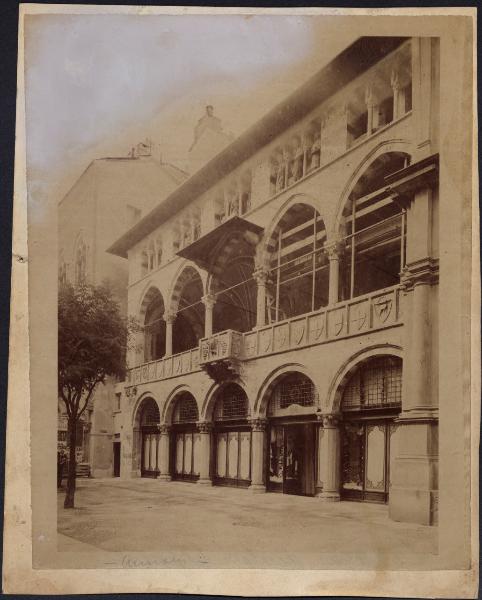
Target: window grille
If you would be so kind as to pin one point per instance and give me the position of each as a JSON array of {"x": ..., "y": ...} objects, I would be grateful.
[
  {"x": 232, "y": 405},
  {"x": 294, "y": 389},
  {"x": 376, "y": 383},
  {"x": 186, "y": 410},
  {"x": 150, "y": 414}
]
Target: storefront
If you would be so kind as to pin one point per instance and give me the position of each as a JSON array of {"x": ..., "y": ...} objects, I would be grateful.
[
  {"x": 185, "y": 439},
  {"x": 232, "y": 438},
  {"x": 292, "y": 436},
  {"x": 149, "y": 420},
  {"x": 371, "y": 402}
]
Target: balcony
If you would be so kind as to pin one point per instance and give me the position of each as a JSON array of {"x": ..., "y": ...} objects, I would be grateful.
[{"x": 221, "y": 354}]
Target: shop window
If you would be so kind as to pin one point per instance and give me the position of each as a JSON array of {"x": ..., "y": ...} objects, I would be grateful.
[
  {"x": 186, "y": 410},
  {"x": 294, "y": 389},
  {"x": 376, "y": 383},
  {"x": 299, "y": 266}
]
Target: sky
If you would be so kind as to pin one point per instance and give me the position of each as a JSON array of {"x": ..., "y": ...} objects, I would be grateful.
[{"x": 96, "y": 85}]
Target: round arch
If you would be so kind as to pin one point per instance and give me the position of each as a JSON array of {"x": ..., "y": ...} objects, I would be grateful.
[
  {"x": 170, "y": 403},
  {"x": 140, "y": 405},
  {"x": 151, "y": 292},
  {"x": 335, "y": 391},
  {"x": 207, "y": 409},
  {"x": 278, "y": 220},
  {"x": 270, "y": 382},
  {"x": 185, "y": 273},
  {"x": 390, "y": 146}
]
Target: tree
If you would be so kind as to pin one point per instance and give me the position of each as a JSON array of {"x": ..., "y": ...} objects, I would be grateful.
[{"x": 92, "y": 343}]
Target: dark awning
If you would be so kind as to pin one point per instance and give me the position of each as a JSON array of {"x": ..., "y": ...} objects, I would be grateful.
[{"x": 200, "y": 251}]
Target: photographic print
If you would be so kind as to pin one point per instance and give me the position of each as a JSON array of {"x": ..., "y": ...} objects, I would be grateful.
[{"x": 247, "y": 362}]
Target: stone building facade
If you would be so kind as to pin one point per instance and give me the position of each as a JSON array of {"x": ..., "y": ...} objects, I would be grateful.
[
  {"x": 108, "y": 198},
  {"x": 290, "y": 326}
]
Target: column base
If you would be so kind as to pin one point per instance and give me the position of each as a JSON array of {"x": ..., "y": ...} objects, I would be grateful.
[
  {"x": 257, "y": 488},
  {"x": 204, "y": 482},
  {"x": 164, "y": 477},
  {"x": 328, "y": 496}
]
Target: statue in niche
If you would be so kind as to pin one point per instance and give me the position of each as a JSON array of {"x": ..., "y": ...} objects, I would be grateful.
[
  {"x": 315, "y": 152},
  {"x": 298, "y": 161},
  {"x": 233, "y": 203},
  {"x": 280, "y": 173}
]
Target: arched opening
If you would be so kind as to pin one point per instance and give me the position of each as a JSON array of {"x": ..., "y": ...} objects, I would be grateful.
[
  {"x": 185, "y": 439},
  {"x": 374, "y": 231},
  {"x": 154, "y": 326},
  {"x": 149, "y": 421},
  {"x": 188, "y": 326},
  {"x": 298, "y": 265},
  {"x": 234, "y": 287},
  {"x": 291, "y": 412},
  {"x": 232, "y": 437},
  {"x": 371, "y": 401}
]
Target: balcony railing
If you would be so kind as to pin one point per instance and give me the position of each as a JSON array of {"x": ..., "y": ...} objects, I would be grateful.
[{"x": 222, "y": 352}]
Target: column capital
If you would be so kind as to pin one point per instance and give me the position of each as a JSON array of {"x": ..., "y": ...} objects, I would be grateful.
[
  {"x": 333, "y": 249},
  {"x": 204, "y": 426},
  {"x": 164, "y": 429},
  {"x": 258, "y": 424},
  {"x": 170, "y": 317},
  {"x": 209, "y": 300},
  {"x": 421, "y": 272},
  {"x": 329, "y": 420},
  {"x": 261, "y": 275}
]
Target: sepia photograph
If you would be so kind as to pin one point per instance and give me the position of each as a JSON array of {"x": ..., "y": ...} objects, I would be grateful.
[{"x": 245, "y": 348}]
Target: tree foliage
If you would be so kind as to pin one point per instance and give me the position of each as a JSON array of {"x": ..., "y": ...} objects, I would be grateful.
[{"x": 92, "y": 344}]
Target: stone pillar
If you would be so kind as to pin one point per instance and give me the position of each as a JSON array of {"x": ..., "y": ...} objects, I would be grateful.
[
  {"x": 209, "y": 301},
  {"x": 136, "y": 452},
  {"x": 163, "y": 461},
  {"x": 333, "y": 251},
  {"x": 328, "y": 480},
  {"x": 395, "y": 83},
  {"x": 204, "y": 453},
  {"x": 261, "y": 276},
  {"x": 258, "y": 428},
  {"x": 169, "y": 318},
  {"x": 370, "y": 102},
  {"x": 414, "y": 477}
]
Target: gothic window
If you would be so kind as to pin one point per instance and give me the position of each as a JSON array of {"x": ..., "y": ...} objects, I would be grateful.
[
  {"x": 299, "y": 266},
  {"x": 80, "y": 263}
]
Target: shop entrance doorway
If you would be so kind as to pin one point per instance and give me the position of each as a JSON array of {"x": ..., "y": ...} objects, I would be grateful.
[
  {"x": 117, "y": 455},
  {"x": 291, "y": 468}
]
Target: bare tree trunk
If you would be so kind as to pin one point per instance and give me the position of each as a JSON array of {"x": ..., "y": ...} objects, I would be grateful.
[{"x": 72, "y": 432}]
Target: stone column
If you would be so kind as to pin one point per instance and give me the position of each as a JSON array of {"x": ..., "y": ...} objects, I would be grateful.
[
  {"x": 163, "y": 460},
  {"x": 204, "y": 453},
  {"x": 261, "y": 276},
  {"x": 370, "y": 102},
  {"x": 395, "y": 83},
  {"x": 169, "y": 318},
  {"x": 414, "y": 477},
  {"x": 209, "y": 301},
  {"x": 328, "y": 484},
  {"x": 258, "y": 428},
  {"x": 333, "y": 251}
]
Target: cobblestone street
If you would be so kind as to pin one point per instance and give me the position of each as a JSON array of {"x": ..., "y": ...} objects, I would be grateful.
[{"x": 227, "y": 526}]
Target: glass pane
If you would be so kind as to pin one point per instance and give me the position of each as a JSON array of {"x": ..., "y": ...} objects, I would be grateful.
[
  {"x": 276, "y": 455},
  {"x": 179, "y": 452},
  {"x": 196, "y": 441},
  {"x": 187, "y": 453},
  {"x": 353, "y": 456},
  {"x": 375, "y": 468},
  {"x": 221, "y": 455},
  {"x": 233, "y": 454},
  {"x": 294, "y": 454},
  {"x": 245, "y": 454}
]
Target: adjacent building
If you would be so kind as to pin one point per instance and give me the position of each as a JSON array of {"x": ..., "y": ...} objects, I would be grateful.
[
  {"x": 108, "y": 198},
  {"x": 288, "y": 293}
]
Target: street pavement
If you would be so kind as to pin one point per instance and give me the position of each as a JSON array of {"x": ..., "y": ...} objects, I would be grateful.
[{"x": 227, "y": 527}]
